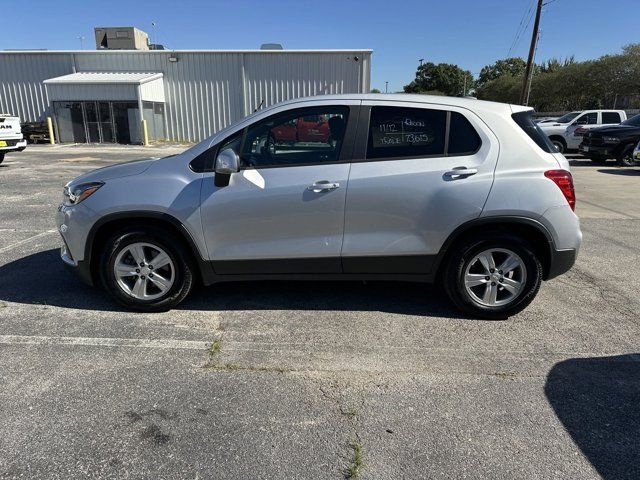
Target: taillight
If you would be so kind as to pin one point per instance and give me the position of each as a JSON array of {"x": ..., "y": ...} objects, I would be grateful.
[{"x": 564, "y": 181}]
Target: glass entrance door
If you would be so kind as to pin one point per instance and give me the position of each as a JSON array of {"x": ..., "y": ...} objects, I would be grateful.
[{"x": 93, "y": 127}]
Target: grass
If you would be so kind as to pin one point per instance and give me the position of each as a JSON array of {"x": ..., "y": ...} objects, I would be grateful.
[
  {"x": 213, "y": 351},
  {"x": 356, "y": 462}
]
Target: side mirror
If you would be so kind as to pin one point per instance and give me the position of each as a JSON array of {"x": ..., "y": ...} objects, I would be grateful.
[{"x": 227, "y": 162}]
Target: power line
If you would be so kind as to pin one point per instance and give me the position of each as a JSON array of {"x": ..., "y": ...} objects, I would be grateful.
[{"x": 519, "y": 32}]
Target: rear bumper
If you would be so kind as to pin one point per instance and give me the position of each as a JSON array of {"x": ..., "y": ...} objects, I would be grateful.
[{"x": 561, "y": 262}]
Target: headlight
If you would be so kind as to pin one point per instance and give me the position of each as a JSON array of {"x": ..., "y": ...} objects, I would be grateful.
[
  {"x": 77, "y": 193},
  {"x": 611, "y": 139}
]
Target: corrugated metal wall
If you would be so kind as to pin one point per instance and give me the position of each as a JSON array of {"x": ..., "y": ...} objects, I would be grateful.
[
  {"x": 66, "y": 92},
  {"x": 204, "y": 91}
]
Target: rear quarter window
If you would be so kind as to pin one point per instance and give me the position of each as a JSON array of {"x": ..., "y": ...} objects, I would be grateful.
[
  {"x": 463, "y": 138},
  {"x": 525, "y": 122}
]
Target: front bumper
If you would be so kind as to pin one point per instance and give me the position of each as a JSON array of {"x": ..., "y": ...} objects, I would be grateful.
[
  {"x": 73, "y": 224},
  {"x": 599, "y": 151}
]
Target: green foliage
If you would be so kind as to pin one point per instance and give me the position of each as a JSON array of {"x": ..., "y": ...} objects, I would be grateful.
[
  {"x": 444, "y": 78},
  {"x": 375, "y": 90},
  {"x": 560, "y": 85},
  {"x": 514, "y": 66}
]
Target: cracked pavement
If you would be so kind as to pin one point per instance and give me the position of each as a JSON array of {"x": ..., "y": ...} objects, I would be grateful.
[{"x": 88, "y": 390}]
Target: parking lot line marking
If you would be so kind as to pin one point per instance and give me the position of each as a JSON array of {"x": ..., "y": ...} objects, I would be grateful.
[
  {"x": 163, "y": 343},
  {"x": 21, "y": 242}
]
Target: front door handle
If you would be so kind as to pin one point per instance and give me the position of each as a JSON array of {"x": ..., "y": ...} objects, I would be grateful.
[
  {"x": 323, "y": 186},
  {"x": 460, "y": 172}
]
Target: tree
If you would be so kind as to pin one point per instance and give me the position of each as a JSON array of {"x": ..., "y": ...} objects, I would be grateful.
[
  {"x": 443, "y": 78},
  {"x": 561, "y": 85},
  {"x": 375, "y": 90},
  {"x": 514, "y": 66}
]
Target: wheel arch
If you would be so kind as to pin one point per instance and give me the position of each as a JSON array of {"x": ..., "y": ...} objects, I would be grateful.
[
  {"x": 532, "y": 231},
  {"x": 102, "y": 230}
]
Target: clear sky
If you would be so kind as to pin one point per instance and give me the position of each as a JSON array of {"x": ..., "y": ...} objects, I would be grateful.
[{"x": 470, "y": 33}]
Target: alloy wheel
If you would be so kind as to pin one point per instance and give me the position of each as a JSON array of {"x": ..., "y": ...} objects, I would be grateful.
[
  {"x": 144, "y": 271},
  {"x": 495, "y": 277}
]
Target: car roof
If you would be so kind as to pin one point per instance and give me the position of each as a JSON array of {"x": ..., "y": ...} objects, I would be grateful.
[{"x": 464, "y": 102}]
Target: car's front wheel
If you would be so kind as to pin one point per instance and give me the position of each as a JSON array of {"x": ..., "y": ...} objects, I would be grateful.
[
  {"x": 146, "y": 269},
  {"x": 493, "y": 277},
  {"x": 625, "y": 159}
]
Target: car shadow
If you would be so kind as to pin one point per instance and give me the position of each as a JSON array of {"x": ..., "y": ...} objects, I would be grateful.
[
  {"x": 598, "y": 402},
  {"x": 620, "y": 171},
  {"x": 41, "y": 278},
  {"x": 585, "y": 162}
]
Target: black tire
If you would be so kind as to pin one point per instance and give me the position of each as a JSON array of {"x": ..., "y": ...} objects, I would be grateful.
[
  {"x": 179, "y": 255},
  {"x": 559, "y": 143},
  {"x": 625, "y": 159},
  {"x": 1, "y": 157},
  {"x": 466, "y": 251}
]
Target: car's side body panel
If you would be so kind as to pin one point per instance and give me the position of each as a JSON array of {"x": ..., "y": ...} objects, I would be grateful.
[{"x": 408, "y": 207}]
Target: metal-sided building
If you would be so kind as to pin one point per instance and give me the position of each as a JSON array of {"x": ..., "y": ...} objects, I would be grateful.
[{"x": 184, "y": 95}]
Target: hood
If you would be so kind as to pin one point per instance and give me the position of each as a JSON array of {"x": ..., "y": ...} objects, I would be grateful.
[
  {"x": 126, "y": 169},
  {"x": 614, "y": 129}
]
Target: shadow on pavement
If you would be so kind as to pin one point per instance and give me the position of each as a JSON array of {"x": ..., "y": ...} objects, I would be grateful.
[
  {"x": 598, "y": 402},
  {"x": 41, "y": 278},
  {"x": 620, "y": 171}
]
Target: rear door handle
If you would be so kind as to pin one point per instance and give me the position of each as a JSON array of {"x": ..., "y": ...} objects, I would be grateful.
[
  {"x": 323, "y": 186},
  {"x": 460, "y": 172}
]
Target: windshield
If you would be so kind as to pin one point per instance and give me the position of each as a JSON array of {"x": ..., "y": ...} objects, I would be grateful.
[
  {"x": 633, "y": 121},
  {"x": 567, "y": 117}
]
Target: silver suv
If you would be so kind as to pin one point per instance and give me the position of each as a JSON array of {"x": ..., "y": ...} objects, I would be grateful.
[{"x": 467, "y": 194}]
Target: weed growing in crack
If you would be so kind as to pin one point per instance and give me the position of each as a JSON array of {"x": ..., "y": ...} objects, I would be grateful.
[{"x": 356, "y": 462}]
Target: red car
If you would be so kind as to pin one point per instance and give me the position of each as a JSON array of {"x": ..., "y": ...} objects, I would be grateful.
[{"x": 314, "y": 128}]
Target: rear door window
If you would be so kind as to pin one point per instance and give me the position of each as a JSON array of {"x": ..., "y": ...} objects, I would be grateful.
[
  {"x": 399, "y": 132},
  {"x": 611, "y": 117}
]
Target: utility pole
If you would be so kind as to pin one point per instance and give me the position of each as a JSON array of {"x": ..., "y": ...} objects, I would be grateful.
[
  {"x": 421, "y": 60},
  {"x": 386, "y": 87},
  {"x": 81, "y": 38},
  {"x": 532, "y": 49}
]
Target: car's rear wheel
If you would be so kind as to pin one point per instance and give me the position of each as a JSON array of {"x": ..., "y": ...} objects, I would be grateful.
[
  {"x": 147, "y": 270},
  {"x": 1, "y": 157},
  {"x": 625, "y": 159},
  {"x": 493, "y": 277}
]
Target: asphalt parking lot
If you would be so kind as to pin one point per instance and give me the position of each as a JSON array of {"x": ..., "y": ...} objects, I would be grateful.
[{"x": 313, "y": 380}]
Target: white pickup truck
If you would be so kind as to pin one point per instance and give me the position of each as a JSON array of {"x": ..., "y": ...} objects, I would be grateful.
[
  {"x": 11, "y": 138},
  {"x": 567, "y": 131}
]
